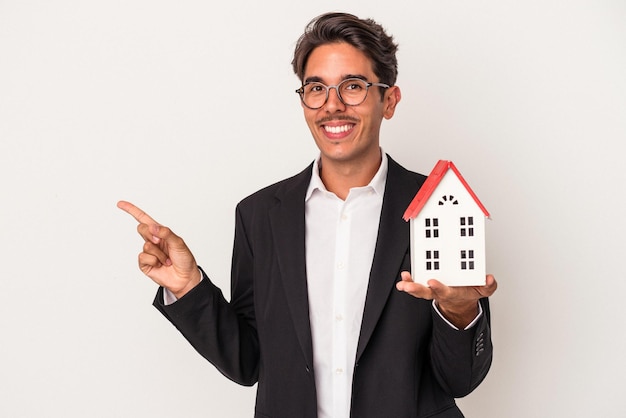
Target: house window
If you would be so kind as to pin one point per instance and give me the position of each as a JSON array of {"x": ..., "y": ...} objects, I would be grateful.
[
  {"x": 467, "y": 226},
  {"x": 448, "y": 199},
  {"x": 467, "y": 259},
  {"x": 432, "y": 227},
  {"x": 432, "y": 260}
]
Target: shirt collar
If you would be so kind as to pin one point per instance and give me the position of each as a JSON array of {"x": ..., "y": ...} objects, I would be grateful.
[{"x": 377, "y": 183}]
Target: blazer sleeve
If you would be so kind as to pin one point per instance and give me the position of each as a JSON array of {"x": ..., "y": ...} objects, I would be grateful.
[
  {"x": 222, "y": 332},
  {"x": 461, "y": 358}
]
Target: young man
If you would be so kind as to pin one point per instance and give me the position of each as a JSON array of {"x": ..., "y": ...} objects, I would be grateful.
[{"x": 324, "y": 314}]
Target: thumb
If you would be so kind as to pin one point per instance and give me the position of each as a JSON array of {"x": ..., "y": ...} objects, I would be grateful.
[
  {"x": 160, "y": 232},
  {"x": 174, "y": 246},
  {"x": 436, "y": 285}
]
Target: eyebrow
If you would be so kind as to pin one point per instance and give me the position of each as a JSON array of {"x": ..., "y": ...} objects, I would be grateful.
[{"x": 316, "y": 79}]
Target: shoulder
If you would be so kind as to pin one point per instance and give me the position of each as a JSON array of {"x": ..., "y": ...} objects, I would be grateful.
[
  {"x": 292, "y": 187},
  {"x": 397, "y": 172}
]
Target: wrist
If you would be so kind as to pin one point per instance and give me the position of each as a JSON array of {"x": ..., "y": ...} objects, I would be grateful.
[
  {"x": 459, "y": 315},
  {"x": 193, "y": 282}
]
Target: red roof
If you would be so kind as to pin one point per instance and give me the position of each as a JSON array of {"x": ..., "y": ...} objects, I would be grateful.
[{"x": 431, "y": 183}]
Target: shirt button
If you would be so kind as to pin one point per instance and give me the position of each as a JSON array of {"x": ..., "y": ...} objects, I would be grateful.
[
  {"x": 340, "y": 265},
  {"x": 344, "y": 217},
  {"x": 339, "y": 370},
  {"x": 339, "y": 318}
]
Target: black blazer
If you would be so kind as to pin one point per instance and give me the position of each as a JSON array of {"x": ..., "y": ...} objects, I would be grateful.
[{"x": 409, "y": 362}]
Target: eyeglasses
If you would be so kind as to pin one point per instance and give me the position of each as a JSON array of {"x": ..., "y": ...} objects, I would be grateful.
[{"x": 351, "y": 92}]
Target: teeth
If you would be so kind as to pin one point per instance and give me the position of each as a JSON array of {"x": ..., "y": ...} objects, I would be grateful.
[{"x": 337, "y": 129}]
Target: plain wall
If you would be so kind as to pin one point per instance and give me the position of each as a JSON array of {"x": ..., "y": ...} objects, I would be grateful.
[{"x": 186, "y": 107}]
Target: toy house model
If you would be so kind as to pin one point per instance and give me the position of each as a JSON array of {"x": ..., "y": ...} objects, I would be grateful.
[{"x": 447, "y": 230}]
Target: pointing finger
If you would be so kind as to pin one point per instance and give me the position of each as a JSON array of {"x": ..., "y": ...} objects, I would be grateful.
[{"x": 139, "y": 215}]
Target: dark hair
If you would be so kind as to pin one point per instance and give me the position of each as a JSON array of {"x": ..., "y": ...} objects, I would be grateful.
[{"x": 365, "y": 35}]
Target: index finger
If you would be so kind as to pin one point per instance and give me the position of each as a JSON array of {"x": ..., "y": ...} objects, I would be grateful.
[{"x": 139, "y": 215}]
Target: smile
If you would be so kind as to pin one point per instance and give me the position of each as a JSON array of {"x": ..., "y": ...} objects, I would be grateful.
[{"x": 338, "y": 129}]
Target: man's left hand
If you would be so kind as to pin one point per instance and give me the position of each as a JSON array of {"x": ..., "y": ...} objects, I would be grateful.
[{"x": 458, "y": 304}]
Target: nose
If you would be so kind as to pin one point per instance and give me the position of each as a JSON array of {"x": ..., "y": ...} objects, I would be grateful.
[{"x": 334, "y": 102}]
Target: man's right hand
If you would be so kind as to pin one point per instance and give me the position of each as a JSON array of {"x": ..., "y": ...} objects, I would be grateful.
[{"x": 165, "y": 258}]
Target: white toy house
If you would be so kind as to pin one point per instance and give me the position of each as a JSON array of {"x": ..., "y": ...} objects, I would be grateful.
[{"x": 447, "y": 230}]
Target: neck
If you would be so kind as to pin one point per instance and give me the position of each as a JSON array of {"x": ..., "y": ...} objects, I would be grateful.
[{"x": 339, "y": 177}]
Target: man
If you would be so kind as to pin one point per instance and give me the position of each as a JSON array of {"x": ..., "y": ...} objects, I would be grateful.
[{"x": 324, "y": 314}]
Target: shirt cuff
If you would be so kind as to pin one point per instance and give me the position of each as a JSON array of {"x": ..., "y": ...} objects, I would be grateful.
[
  {"x": 168, "y": 296},
  {"x": 471, "y": 324}
]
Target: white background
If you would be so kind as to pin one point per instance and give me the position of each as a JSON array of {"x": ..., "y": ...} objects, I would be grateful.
[{"x": 185, "y": 107}]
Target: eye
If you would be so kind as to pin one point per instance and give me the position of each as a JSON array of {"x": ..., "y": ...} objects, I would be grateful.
[
  {"x": 354, "y": 85},
  {"x": 315, "y": 88}
]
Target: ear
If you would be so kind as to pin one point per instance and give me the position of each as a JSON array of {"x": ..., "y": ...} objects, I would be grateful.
[{"x": 391, "y": 100}]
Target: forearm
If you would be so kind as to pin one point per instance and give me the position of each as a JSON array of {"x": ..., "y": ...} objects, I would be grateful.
[
  {"x": 461, "y": 358},
  {"x": 212, "y": 326}
]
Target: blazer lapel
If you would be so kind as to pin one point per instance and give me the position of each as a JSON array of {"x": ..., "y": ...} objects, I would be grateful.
[
  {"x": 288, "y": 228},
  {"x": 391, "y": 246}
]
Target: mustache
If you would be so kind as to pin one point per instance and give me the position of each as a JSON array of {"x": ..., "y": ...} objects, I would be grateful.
[{"x": 327, "y": 119}]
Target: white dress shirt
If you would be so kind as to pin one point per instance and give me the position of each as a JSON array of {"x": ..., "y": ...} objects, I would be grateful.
[{"x": 340, "y": 241}]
